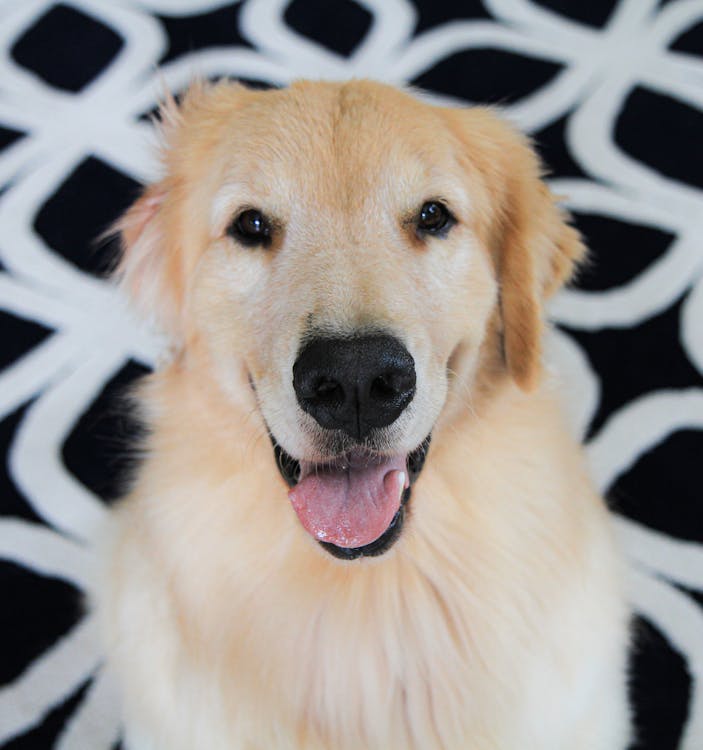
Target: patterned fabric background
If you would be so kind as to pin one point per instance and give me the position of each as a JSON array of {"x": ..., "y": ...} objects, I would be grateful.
[{"x": 613, "y": 95}]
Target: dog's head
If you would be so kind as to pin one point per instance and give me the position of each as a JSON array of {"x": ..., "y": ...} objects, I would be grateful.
[{"x": 351, "y": 262}]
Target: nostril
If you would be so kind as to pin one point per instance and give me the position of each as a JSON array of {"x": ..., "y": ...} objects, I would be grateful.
[
  {"x": 391, "y": 385},
  {"x": 383, "y": 387},
  {"x": 328, "y": 391}
]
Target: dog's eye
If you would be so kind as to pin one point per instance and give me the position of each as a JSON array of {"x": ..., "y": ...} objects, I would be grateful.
[
  {"x": 434, "y": 218},
  {"x": 251, "y": 228}
]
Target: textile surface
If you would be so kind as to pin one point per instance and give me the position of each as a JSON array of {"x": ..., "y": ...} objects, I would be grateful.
[{"x": 611, "y": 92}]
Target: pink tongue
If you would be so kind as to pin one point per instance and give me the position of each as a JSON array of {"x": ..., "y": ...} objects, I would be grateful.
[{"x": 349, "y": 507}]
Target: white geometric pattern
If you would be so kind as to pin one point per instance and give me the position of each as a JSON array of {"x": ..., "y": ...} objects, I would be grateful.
[{"x": 94, "y": 334}]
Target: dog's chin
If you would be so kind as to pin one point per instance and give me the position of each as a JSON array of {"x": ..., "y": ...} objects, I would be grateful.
[{"x": 395, "y": 477}]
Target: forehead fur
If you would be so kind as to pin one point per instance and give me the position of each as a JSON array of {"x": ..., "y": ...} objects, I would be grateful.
[{"x": 347, "y": 136}]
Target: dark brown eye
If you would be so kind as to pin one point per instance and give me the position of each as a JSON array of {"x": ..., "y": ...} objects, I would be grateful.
[
  {"x": 434, "y": 218},
  {"x": 251, "y": 228}
]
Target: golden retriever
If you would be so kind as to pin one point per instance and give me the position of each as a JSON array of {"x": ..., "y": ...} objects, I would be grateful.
[{"x": 361, "y": 522}]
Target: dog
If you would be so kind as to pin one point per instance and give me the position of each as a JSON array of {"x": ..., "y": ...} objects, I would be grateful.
[{"x": 361, "y": 521}]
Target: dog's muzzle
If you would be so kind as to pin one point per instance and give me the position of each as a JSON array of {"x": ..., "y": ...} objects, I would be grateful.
[{"x": 355, "y": 502}]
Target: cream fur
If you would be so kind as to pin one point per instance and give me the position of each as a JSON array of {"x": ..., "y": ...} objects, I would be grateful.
[{"x": 497, "y": 621}]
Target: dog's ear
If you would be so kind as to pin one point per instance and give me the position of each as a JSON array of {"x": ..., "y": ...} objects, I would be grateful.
[
  {"x": 148, "y": 269},
  {"x": 534, "y": 249}
]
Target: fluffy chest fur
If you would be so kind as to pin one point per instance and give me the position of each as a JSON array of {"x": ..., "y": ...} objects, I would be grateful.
[{"x": 488, "y": 618}]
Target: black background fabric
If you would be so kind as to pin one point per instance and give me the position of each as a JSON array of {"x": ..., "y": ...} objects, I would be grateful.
[{"x": 68, "y": 49}]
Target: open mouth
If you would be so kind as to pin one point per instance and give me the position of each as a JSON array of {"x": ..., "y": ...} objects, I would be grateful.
[{"x": 353, "y": 505}]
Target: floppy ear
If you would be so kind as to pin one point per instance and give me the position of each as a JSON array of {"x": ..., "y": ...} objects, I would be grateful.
[
  {"x": 536, "y": 253},
  {"x": 534, "y": 249},
  {"x": 148, "y": 268}
]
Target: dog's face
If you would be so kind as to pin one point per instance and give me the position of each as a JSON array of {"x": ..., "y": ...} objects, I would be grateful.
[{"x": 333, "y": 254}]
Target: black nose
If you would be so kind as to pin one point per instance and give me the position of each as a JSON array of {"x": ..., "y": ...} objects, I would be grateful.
[{"x": 354, "y": 384}]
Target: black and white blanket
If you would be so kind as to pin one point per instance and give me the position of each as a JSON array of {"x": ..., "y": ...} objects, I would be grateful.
[{"x": 612, "y": 93}]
